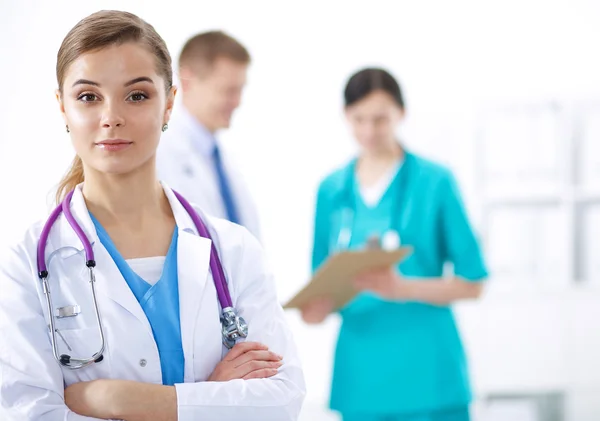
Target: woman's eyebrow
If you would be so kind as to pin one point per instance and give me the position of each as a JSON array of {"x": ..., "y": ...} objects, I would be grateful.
[{"x": 131, "y": 82}]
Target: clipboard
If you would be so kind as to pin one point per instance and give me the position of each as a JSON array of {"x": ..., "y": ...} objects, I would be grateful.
[{"x": 334, "y": 278}]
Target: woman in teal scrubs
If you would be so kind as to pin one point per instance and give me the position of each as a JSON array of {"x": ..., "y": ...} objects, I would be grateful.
[{"x": 399, "y": 355}]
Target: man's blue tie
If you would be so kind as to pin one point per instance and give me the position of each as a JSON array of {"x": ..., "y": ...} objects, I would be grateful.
[{"x": 226, "y": 194}]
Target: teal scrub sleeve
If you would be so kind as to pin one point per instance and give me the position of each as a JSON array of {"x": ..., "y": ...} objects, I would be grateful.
[
  {"x": 321, "y": 230},
  {"x": 460, "y": 244}
]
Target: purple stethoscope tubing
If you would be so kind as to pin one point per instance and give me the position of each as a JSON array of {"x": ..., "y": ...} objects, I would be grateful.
[{"x": 233, "y": 326}]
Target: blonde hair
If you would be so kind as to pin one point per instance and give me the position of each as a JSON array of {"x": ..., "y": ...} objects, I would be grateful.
[
  {"x": 100, "y": 30},
  {"x": 71, "y": 179}
]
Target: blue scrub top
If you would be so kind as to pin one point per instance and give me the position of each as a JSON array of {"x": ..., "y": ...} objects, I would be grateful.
[
  {"x": 400, "y": 357},
  {"x": 160, "y": 303}
]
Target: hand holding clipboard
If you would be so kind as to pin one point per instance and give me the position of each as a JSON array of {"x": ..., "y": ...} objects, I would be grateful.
[{"x": 334, "y": 279}]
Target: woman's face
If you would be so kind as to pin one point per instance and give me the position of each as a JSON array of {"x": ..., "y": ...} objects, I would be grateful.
[
  {"x": 373, "y": 121},
  {"x": 115, "y": 104}
]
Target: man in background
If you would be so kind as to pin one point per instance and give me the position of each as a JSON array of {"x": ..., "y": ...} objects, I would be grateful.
[{"x": 212, "y": 73}]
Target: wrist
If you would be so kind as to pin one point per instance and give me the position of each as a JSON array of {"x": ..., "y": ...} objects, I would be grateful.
[
  {"x": 403, "y": 290},
  {"x": 131, "y": 399}
]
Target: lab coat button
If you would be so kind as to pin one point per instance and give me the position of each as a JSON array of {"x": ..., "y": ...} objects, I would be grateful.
[{"x": 143, "y": 363}]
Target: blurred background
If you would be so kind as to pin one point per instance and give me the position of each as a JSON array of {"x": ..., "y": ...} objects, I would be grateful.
[{"x": 505, "y": 93}]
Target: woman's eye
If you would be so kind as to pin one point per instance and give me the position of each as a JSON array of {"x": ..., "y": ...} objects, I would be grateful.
[
  {"x": 87, "y": 97},
  {"x": 138, "y": 96}
]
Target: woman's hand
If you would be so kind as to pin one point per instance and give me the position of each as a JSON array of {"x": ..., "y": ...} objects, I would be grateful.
[
  {"x": 385, "y": 283},
  {"x": 437, "y": 291},
  {"x": 317, "y": 310},
  {"x": 247, "y": 360}
]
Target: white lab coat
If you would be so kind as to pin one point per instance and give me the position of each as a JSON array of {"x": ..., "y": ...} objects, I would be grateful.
[
  {"x": 191, "y": 173},
  {"x": 31, "y": 381}
]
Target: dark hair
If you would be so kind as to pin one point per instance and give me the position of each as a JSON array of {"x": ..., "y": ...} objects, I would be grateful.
[
  {"x": 100, "y": 30},
  {"x": 366, "y": 81},
  {"x": 202, "y": 50}
]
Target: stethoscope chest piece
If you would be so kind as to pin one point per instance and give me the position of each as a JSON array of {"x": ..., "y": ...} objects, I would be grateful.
[{"x": 233, "y": 327}]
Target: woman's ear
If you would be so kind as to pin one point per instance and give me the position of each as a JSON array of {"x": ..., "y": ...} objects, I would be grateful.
[
  {"x": 61, "y": 106},
  {"x": 170, "y": 103},
  {"x": 347, "y": 113}
]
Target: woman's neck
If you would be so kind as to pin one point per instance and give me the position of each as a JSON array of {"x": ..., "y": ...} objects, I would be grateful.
[
  {"x": 372, "y": 165},
  {"x": 383, "y": 156},
  {"x": 128, "y": 200}
]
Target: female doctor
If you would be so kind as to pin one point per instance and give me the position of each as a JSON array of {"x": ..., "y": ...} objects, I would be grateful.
[
  {"x": 121, "y": 306},
  {"x": 403, "y": 317}
]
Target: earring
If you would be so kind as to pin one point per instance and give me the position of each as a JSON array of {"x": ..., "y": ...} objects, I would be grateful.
[
  {"x": 165, "y": 127},
  {"x": 68, "y": 131}
]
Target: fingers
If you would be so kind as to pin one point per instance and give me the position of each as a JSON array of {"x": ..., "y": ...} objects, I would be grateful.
[
  {"x": 313, "y": 317},
  {"x": 323, "y": 304},
  {"x": 368, "y": 280},
  {"x": 362, "y": 283},
  {"x": 363, "y": 280},
  {"x": 248, "y": 360},
  {"x": 261, "y": 374},
  {"x": 321, "y": 301},
  {"x": 256, "y": 356},
  {"x": 243, "y": 347},
  {"x": 251, "y": 366},
  {"x": 317, "y": 310},
  {"x": 373, "y": 274}
]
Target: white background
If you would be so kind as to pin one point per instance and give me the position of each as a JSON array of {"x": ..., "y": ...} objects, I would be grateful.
[{"x": 452, "y": 58}]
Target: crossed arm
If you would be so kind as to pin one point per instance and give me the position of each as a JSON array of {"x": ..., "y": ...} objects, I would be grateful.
[{"x": 135, "y": 401}]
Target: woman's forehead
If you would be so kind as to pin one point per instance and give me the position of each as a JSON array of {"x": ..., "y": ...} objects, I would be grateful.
[{"x": 113, "y": 64}]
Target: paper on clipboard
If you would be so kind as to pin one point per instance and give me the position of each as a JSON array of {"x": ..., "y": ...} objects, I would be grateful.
[{"x": 334, "y": 278}]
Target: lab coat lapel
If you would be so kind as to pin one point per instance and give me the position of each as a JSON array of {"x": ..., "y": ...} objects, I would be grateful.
[
  {"x": 109, "y": 281},
  {"x": 193, "y": 257}
]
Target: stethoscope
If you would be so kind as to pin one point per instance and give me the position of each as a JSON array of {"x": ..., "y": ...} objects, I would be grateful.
[
  {"x": 233, "y": 327},
  {"x": 390, "y": 239}
]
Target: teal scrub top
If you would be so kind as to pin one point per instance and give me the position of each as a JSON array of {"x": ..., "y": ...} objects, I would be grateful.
[
  {"x": 400, "y": 357},
  {"x": 160, "y": 303}
]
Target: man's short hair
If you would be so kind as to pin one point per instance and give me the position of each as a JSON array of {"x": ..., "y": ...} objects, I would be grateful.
[{"x": 201, "y": 51}]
